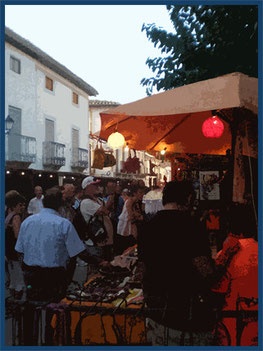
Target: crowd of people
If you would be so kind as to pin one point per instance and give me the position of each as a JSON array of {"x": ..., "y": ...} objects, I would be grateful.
[{"x": 94, "y": 224}]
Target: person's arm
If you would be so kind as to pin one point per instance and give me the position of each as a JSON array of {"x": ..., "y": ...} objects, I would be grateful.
[
  {"x": 230, "y": 247},
  {"x": 75, "y": 246},
  {"x": 137, "y": 215},
  {"x": 30, "y": 208},
  {"x": 16, "y": 223},
  {"x": 130, "y": 212},
  {"x": 102, "y": 211},
  {"x": 19, "y": 247},
  {"x": 213, "y": 271},
  {"x": 110, "y": 202},
  {"x": 91, "y": 208},
  {"x": 84, "y": 256}
]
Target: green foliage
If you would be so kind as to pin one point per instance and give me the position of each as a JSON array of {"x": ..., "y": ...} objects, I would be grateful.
[{"x": 209, "y": 41}]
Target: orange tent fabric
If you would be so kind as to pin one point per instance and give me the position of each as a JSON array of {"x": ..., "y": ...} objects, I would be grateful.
[{"x": 173, "y": 119}]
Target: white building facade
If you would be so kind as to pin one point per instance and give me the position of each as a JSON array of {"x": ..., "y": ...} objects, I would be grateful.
[
  {"x": 56, "y": 124},
  {"x": 50, "y": 109}
]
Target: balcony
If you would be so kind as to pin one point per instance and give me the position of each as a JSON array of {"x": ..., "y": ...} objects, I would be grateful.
[
  {"x": 20, "y": 150},
  {"x": 53, "y": 155},
  {"x": 80, "y": 158}
]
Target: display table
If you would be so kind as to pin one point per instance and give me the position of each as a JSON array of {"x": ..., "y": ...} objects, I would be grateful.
[{"x": 119, "y": 322}]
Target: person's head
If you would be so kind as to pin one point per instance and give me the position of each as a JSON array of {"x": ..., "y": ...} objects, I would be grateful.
[
  {"x": 14, "y": 201},
  {"x": 118, "y": 189},
  {"x": 141, "y": 183},
  {"x": 180, "y": 193},
  {"x": 101, "y": 190},
  {"x": 53, "y": 198},
  {"x": 9, "y": 196},
  {"x": 78, "y": 192},
  {"x": 110, "y": 188},
  {"x": 242, "y": 220},
  {"x": 23, "y": 207},
  {"x": 90, "y": 186},
  {"x": 137, "y": 192},
  {"x": 38, "y": 191},
  {"x": 68, "y": 191},
  {"x": 125, "y": 191}
]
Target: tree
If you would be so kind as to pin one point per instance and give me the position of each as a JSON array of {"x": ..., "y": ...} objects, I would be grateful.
[{"x": 209, "y": 41}]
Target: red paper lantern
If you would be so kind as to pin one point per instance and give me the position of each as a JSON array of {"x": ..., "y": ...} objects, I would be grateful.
[{"x": 213, "y": 127}]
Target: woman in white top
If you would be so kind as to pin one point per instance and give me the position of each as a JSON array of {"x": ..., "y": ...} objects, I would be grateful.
[{"x": 131, "y": 213}]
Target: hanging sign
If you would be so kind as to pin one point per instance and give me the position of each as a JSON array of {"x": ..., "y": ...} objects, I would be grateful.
[{"x": 209, "y": 186}]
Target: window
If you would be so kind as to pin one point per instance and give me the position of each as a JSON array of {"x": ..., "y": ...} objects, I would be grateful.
[
  {"x": 75, "y": 98},
  {"x": 15, "y": 65},
  {"x": 49, "y": 84}
]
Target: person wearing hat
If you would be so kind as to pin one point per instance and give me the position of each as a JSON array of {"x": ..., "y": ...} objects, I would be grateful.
[{"x": 92, "y": 206}]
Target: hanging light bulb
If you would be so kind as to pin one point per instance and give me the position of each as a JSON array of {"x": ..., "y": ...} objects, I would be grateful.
[
  {"x": 116, "y": 140},
  {"x": 163, "y": 151}
]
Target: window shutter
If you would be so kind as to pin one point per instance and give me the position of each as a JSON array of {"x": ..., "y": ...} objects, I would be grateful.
[
  {"x": 75, "y": 98},
  {"x": 15, "y": 65},
  {"x": 49, "y": 84}
]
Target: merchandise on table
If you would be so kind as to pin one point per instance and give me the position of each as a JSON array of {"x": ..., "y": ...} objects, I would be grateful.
[{"x": 117, "y": 284}]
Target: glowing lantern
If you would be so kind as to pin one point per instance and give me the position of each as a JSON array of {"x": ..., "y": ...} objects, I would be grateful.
[
  {"x": 213, "y": 127},
  {"x": 116, "y": 140}
]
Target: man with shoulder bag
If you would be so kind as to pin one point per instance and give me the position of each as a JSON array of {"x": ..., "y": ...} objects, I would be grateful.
[{"x": 99, "y": 230}]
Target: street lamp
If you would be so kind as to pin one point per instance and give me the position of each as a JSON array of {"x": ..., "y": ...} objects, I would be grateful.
[{"x": 9, "y": 122}]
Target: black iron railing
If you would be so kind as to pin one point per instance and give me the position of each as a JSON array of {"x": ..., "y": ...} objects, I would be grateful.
[{"x": 65, "y": 336}]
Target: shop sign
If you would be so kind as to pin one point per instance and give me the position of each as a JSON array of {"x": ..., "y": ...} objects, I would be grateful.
[{"x": 209, "y": 186}]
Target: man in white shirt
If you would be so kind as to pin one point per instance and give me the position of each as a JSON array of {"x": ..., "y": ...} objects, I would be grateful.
[
  {"x": 48, "y": 243},
  {"x": 93, "y": 206},
  {"x": 36, "y": 204}
]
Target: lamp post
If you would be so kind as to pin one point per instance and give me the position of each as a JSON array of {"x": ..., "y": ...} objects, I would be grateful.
[{"x": 9, "y": 122}]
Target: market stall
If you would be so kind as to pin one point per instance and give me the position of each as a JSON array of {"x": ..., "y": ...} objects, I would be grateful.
[
  {"x": 110, "y": 310},
  {"x": 107, "y": 310},
  {"x": 173, "y": 121}
]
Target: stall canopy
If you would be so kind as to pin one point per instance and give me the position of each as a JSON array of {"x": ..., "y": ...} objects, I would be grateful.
[{"x": 173, "y": 119}]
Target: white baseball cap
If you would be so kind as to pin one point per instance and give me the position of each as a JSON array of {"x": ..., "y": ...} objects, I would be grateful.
[{"x": 88, "y": 181}]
